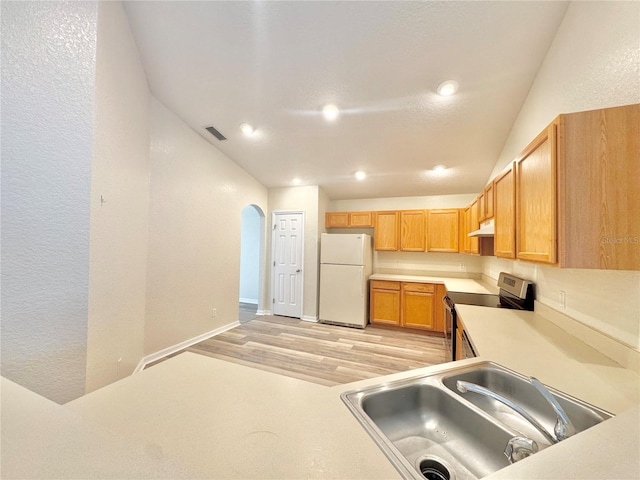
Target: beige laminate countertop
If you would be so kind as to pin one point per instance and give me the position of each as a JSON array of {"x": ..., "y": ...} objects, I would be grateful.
[
  {"x": 453, "y": 284},
  {"x": 205, "y": 418}
]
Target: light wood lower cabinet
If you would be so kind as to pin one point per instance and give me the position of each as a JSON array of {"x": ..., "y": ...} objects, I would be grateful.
[
  {"x": 384, "y": 302},
  {"x": 417, "y": 309},
  {"x": 407, "y": 304}
]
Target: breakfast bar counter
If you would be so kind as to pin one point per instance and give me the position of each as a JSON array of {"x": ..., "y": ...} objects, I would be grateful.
[{"x": 198, "y": 417}]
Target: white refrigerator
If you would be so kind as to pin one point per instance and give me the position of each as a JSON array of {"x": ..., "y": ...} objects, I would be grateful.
[{"x": 345, "y": 266}]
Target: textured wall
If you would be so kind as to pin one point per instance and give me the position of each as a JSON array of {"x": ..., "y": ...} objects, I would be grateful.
[
  {"x": 402, "y": 203},
  {"x": 594, "y": 62},
  {"x": 119, "y": 226},
  {"x": 196, "y": 199},
  {"x": 48, "y": 80}
]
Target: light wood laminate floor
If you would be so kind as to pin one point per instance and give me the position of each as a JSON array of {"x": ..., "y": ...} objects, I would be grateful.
[{"x": 319, "y": 353}]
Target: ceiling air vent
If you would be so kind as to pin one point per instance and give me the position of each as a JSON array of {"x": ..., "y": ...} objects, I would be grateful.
[{"x": 216, "y": 133}]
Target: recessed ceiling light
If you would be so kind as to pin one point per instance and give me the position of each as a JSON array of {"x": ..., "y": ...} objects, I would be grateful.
[
  {"x": 247, "y": 129},
  {"x": 447, "y": 88},
  {"x": 330, "y": 112},
  {"x": 439, "y": 171},
  {"x": 360, "y": 175},
  {"x": 296, "y": 181}
]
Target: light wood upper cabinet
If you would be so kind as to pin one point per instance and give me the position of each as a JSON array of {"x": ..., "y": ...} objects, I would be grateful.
[
  {"x": 536, "y": 199},
  {"x": 386, "y": 233},
  {"x": 489, "y": 197},
  {"x": 336, "y": 219},
  {"x": 413, "y": 224},
  {"x": 443, "y": 227},
  {"x": 481, "y": 207},
  {"x": 472, "y": 224},
  {"x": 361, "y": 219},
  {"x": 576, "y": 200},
  {"x": 505, "y": 215},
  {"x": 598, "y": 194},
  {"x": 348, "y": 219}
]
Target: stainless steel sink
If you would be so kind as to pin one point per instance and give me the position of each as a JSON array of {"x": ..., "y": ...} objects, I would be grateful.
[
  {"x": 423, "y": 424},
  {"x": 518, "y": 389}
]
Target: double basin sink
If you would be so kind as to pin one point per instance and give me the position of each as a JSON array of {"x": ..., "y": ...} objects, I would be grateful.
[{"x": 431, "y": 427}]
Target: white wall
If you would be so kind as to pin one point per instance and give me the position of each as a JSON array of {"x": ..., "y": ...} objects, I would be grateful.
[
  {"x": 594, "y": 62},
  {"x": 402, "y": 203},
  {"x": 303, "y": 199},
  {"x": 48, "y": 81},
  {"x": 119, "y": 226},
  {"x": 250, "y": 255},
  {"x": 196, "y": 199}
]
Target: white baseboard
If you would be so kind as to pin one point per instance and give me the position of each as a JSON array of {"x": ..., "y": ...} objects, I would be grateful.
[
  {"x": 307, "y": 318},
  {"x": 263, "y": 312},
  {"x": 182, "y": 345},
  {"x": 253, "y": 301}
]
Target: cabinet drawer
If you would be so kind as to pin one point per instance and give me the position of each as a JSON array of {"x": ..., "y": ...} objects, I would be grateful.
[
  {"x": 419, "y": 287},
  {"x": 385, "y": 285}
]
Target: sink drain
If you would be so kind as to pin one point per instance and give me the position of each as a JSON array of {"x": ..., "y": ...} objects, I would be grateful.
[{"x": 433, "y": 469}]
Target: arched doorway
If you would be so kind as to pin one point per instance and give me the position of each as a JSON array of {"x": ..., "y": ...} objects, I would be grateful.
[{"x": 251, "y": 263}]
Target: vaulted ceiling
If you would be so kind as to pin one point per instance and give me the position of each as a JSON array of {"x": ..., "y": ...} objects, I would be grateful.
[{"x": 275, "y": 65}]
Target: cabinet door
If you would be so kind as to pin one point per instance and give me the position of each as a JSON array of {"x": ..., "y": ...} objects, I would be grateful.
[
  {"x": 464, "y": 239},
  {"x": 413, "y": 231},
  {"x": 385, "y": 306},
  {"x": 417, "y": 309},
  {"x": 360, "y": 219},
  {"x": 598, "y": 194},
  {"x": 385, "y": 235},
  {"x": 443, "y": 230},
  {"x": 336, "y": 219},
  {"x": 505, "y": 215},
  {"x": 488, "y": 201},
  {"x": 474, "y": 225},
  {"x": 481, "y": 207},
  {"x": 536, "y": 199}
]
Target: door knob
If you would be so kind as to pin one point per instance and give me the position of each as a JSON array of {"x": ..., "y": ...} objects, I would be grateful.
[{"x": 298, "y": 270}]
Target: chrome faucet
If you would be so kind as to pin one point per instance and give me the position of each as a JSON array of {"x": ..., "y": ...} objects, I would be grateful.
[
  {"x": 520, "y": 447},
  {"x": 563, "y": 427},
  {"x": 464, "y": 387}
]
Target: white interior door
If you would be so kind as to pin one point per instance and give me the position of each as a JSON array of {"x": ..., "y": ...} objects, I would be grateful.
[{"x": 288, "y": 241}]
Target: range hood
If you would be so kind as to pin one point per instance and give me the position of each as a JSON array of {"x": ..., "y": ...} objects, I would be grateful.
[{"x": 486, "y": 230}]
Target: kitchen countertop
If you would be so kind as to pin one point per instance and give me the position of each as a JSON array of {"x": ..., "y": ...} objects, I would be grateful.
[
  {"x": 453, "y": 284},
  {"x": 528, "y": 343},
  {"x": 221, "y": 420}
]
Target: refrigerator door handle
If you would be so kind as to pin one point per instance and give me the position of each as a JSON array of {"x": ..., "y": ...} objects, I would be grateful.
[{"x": 362, "y": 283}]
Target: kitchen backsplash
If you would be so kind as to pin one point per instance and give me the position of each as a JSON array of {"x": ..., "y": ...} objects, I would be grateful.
[
  {"x": 415, "y": 263},
  {"x": 606, "y": 300}
]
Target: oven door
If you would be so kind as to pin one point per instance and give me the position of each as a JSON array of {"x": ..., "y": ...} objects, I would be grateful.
[
  {"x": 467, "y": 348},
  {"x": 450, "y": 326}
]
